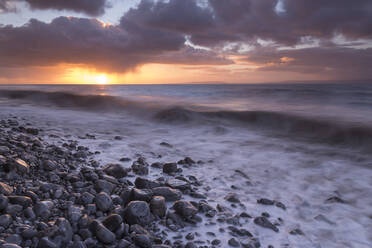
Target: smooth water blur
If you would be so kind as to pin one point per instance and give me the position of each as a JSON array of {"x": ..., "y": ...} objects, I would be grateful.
[{"x": 346, "y": 102}]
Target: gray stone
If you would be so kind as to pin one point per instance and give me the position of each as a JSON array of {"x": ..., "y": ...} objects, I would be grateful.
[
  {"x": 5, "y": 189},
  {"x": 3, "y": 202},
  {"x": 103, "y": 201},
  {"x": 143, "y": 183},
  {"x": 42, "y": 209},
  {"x": 20, "y": 166},
  {"x": 115, "y": 170},
  {"x": 104, "y": 235},
  {"x": 86, "y": 198},
  {"x": 24, "y": 201},
  {"x": 49, "y": 165},
  {"x": 184, "y": 208},
  {"x": 170, "y": 168},
  {"x": 157, "y": 206},
  {"x": 5, "y": 220},
  {"x": 112, "y": 222},
  {"x": 168, "y": 193},
  {"x": 137, "y": 212},
  {"x": 142, "y": 241},
  {"x": 264, "y": 222}
]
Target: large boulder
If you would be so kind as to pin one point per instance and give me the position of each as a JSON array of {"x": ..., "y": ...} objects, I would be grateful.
[
  {"x": 144, "y": 183},
  {"x": 112, "y": 222},
  {"x": 137, "y": 212}
]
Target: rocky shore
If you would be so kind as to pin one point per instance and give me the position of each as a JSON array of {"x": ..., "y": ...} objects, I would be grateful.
[{"x": 60, "y": 196}]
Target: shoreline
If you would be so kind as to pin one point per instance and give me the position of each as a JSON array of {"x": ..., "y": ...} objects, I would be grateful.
[
  {"x": 46, "y": 201},
  {"x": 320, "y": 196}
]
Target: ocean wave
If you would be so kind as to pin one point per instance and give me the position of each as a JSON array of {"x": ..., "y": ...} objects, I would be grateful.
[{"x": 286, "y": 124}]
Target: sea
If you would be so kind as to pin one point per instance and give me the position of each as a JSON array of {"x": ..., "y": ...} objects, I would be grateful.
[{"x": 298, "y": 143}]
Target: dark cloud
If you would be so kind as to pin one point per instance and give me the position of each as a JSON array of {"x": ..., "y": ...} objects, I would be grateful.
[
  {"x": 89, "y": 42},
  {"x": 335, "y": 62},
  {"x": 90, "y": 7}
]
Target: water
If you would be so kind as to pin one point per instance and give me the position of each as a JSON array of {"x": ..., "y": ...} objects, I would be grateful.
[{"x": 298, "y": 143}]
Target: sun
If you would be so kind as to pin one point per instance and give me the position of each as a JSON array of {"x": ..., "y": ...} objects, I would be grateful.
[{"x": 100, "y": 79}]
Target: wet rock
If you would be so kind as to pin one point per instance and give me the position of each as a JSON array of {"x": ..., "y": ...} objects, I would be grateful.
[
  {"x": 170, "y": 168},
  {"x": 103, "y": 201},
  {"x": 115, "y": 170},
  {"x": 112, "y": 222},
  {"x": 184, "y": 208},
  {"x": 46, "y": 243},
  {"x": 168, "y": 193},
  {"x": 64, "y": 230},
  {"x": 140, "y": 167},
  {"x": 86, "y": 198},
  {"x": 178, "y": 184},
  {"x": 104, "y": 186},
  {"x": 49, "y": 165},
  {"x": 4, "y": 150},
  {"x": 42, "y": 209},
  {"x": 5, "y": 220},
  {"x": 8, "y": 245},
  {"x": 232, "y": 197},
  {"x": 335, "y": 199},
  {"x": 143, "y": 183},
  {"x": 166, "y": 144},
  {"x": 265, "y": 201},
  {"x": 29, "y": 233},
  {"x": 190, "y": 245},
  {"x": 233, "y": 242},
  {"x": 20, "y": 166},
  {"x": 14, "y": 209},
  {"x": 104, "y": 235},
  {"x": 142, "y": 240},
  {"x": 74, "y": 213},
  {"x": 141, "y": 195},
  {"x": 137, "y": 212},
  {"x": 157, "y": 206},
  {"x": 3, "y": 202},
  {"x": 296, "y": 231},
  {"x": 24, "y": 201},
  {"x": 5, "y": 189},
  {"x": 280, "y": 205},
  {"x": 264, "y": 222},
  {"x": 14, "y": 239}
]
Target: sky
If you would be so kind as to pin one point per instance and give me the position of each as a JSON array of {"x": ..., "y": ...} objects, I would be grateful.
[{"x": 184, "y": 41}]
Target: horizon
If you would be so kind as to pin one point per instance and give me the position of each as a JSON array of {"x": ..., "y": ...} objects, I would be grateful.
[{"x": 176, "y": 41}]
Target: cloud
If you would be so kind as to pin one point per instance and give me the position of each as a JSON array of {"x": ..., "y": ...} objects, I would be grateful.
[
  {"x": 91, "y": 43},
  {"x": 334, "y": 62},
  {"x": 90, "y": 7}
]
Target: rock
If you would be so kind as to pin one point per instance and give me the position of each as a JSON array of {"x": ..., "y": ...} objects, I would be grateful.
[
  {"x": 42, "y": 209},
  {"x": 232, "y": 197},
  {"x": 137, "y": 212},
  {"x": 14, "y": 209},
  {"x": 143, "y": 183},
  {"x": 20, "y": 166},
  {"x": 3, "y": 202},
  {"x": 233, "y": 242},
  {"x": 5, "y": 189},
  {"x": 5, "y": 220},
  {"x": 46, "y": 243},
  {"x": 103, "y": 185},
  {"x": 142, "y": 240},
  {"x": 265, "y": 201},
  {"x": 103, "y": 201},
  {"x": 190, "y": 245},
  {"x": 140, "y": 167},
  {"x": 24, "y": 201},
  {"x": 112, "y": 222},
  {"x": 296, "y": 231},
  {"x": 166, "y": 144},
  {"x": 29, "y": 233},
  {"x": 86, "y": 198},
  {"x": 33, "y": 131},
  {"x": 168, "y": 193},
  {"x": 264, "y": 222},
  {"x": 141, "y": 195},
  {"x": 177, "y": 184},
  {"x": 335, "y": 199},
  {"x": 49, "y": 165},
  {"x": 8, "y": 245},
  {"x": 29, "y": 213},
  {"x": 280, "y": 205},
  {"x": 4, "y": 150},
  {"x": 64, "y": 230},
  {"x": 157, "y": 206},
  {"x": 105, "y": 235},
  {"x": 170, "y": 168},
  {"x": 184, "y": 208},
  {"x": 115, "y": 170}
]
